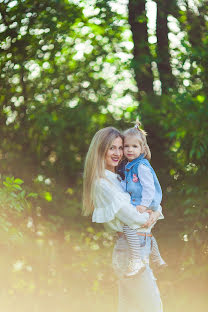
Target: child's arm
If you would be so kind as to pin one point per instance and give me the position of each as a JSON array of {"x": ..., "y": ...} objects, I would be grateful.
[{"x": 148, "y": 187}]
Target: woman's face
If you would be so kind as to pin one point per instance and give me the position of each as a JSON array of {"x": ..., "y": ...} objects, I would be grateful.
[{"x": 114, "y": 154}]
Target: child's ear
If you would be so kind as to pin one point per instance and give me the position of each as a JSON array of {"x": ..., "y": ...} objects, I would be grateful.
[{"x": 144, "y": 149}]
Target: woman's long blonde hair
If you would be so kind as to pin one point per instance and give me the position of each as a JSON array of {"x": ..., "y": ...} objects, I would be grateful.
[
  {"x": 141, "y": 135},
  {"x": 94, "y": 167}
]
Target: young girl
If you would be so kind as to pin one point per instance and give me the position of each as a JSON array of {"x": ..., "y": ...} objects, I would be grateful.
[{"x": 143, "y": 186}]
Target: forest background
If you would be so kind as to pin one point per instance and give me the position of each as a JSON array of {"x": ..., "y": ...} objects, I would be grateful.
[{"x": 69, "y": 68}]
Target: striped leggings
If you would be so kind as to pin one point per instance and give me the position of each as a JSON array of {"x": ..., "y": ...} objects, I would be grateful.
[{"x": 136, "y": 245}]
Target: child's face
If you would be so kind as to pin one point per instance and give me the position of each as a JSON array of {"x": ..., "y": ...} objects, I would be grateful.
[{"x": 132, "y": 148}]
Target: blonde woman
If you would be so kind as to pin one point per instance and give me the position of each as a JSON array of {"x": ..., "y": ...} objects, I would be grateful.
[{"x": 105, "y": 199}]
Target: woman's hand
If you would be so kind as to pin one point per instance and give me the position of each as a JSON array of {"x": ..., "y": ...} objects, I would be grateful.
[{"x": 154, "y": 215}]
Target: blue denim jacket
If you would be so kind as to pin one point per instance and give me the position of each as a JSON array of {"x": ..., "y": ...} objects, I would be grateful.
[{"x": 134, "y": 187}]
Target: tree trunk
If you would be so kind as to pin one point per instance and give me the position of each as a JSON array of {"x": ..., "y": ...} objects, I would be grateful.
[
  {"x": 142, "y": 56},
  {"x": 163, "y": 56},
  {"x": 196, "y": 33}
]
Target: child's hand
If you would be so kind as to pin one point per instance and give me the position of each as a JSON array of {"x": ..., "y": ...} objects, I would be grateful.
[
  {"x": 154, "y": 215},
  {"x": 141, "y": 209}
]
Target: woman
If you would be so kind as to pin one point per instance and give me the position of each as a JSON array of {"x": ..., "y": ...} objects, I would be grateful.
[{"x": 104, "y": 197}]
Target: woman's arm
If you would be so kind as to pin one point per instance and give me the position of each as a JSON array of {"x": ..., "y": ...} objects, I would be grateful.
[
  {"x": 111, "y": 202},
  {"x": 129, "y": 215}
]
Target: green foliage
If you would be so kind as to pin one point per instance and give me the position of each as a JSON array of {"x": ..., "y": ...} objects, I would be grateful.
[
  {"x": 14, "y": 207},
  {"x": 66, "y": 71},
  {"x": 53, "y": 84}
]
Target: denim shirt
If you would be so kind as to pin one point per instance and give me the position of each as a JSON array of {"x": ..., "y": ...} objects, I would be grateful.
[{"x": 134, "y": 186}]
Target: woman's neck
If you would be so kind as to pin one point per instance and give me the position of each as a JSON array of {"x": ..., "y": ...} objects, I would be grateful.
[{"x": 112, "y": 169}]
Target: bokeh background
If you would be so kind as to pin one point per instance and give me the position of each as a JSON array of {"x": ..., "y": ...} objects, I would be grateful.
[{"x": 69, "y": 68}]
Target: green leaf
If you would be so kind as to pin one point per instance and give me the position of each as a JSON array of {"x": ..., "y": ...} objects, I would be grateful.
[
  {"x": 22, "y": 194},
  {"x": 200, "y": 98},
  {"x": 35, "y": 195},
  {"x": 17, "y": 187},
  {"x": 47, "y": 196},
  {"x": 6, "y": 184},
  {"x": 18, "y": 181}
]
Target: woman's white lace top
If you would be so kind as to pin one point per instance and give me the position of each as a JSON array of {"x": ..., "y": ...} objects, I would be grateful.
[{"x": 112, "y": 205}]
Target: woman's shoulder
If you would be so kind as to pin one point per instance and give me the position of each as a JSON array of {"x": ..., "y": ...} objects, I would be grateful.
[
  {"x": 109, "y": 187},
  {"x": 104, "y": 184},
  {"x": 100, "y": 182},
  {"x": 106, "y": 201}
]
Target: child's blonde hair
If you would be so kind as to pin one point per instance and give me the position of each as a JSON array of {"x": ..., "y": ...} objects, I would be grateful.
[
  {"x": 94, "y": 167},
  {"x": 141, "y": 135}
]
